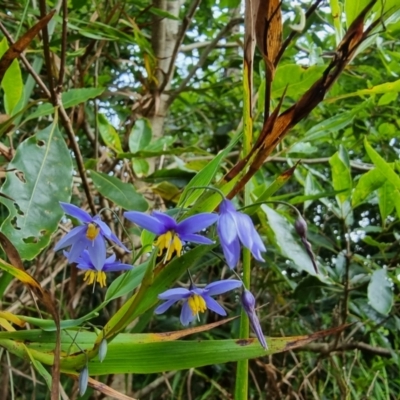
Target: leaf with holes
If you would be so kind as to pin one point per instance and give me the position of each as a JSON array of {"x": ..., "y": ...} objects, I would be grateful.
[{"x": 40, "y": 175}]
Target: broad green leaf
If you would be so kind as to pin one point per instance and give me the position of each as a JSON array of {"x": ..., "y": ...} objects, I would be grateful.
[
  {"x": 295, "y": 79},
  {"x": 386, "y": 170},
  {"x": 288, "y": 245},
  {"x": 341, "y": 175},
  {"x": 127, "y": 354},
  {"x": 370, "y": 181},
  {"x": 71, "y": 98},
  {"x": 140, "y": 167},
  {"x": 140, "y": 136},
  {"x": 386, "y": 200},
  {"x": 126, "y": 282},
  {"x": 11, "y": 84},
  {"x": 352, "y": 9},
  {"x": 380, "y": 293},
  {"x": 120, "y": 193},
  {"x": 39, "y": 177},
  {"x": 109, "y": 134}
]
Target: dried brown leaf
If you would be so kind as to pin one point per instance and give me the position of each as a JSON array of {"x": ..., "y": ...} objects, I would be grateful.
[{"x": 18, "y": 47}]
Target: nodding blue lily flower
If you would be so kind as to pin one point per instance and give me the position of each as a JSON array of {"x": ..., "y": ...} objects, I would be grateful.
[
  {"x": 96, "y": 274},
  {"x": 172, "y": 234},
  {"x": 234, "y": 227},
  {"x": 196, "y": 300},
  {"x": 91, "y": 236},
  {"x": 249, "y": 305}
]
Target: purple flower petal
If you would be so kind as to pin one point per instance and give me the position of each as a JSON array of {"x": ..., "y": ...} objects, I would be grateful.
[
  {"x": 177, "y": 293},
  {"x": 223, "y": 286},
  {"x": 77, "y": 249},
  {"x": 76, "y": 212},
  {"x": 168, "y": 222},
  {"x": 71, "y": 237},
  {"x": 231, "y": 252},
  {"x": 145, "y": 221},
  {"x": 213, "y": 305},
  {"x": 165, "y": 306},
  {"x": 104, "y": 228},
  {"x": 186, "y": 314},
  {"x": 196, "y": 223},
  {"x": 116, "y": 266},
  {"x": 97, "y": 252},
  {"x": 226, "y": 229},
  {"x": 192, "y": 237}
]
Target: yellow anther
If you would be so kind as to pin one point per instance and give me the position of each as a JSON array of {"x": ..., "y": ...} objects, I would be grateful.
[
  {"x": 98, "y": 276},
  {"x": 92, "y": 231},
  {"x": 197, "y": 304},
  {"x": 170, "y": 241}
]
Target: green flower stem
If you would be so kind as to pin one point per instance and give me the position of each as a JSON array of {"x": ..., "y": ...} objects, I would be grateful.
[{"x": 242, "y": 372}]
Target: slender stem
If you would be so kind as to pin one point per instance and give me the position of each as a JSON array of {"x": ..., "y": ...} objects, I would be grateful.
[{"x": 63, "y": 46}]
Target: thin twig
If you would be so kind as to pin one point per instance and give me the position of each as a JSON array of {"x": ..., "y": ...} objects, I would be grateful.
[
  {"x": 47, "y": 55},
  {"x": 63, "y": 46}
]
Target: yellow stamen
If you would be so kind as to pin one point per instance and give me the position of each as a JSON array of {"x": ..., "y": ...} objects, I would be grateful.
[
  {"x": 170, "y": 241},
  {"x": 197, "y": 304},
  {"x": 98, "y": 276},
  {"x": 92, "y": 231}
]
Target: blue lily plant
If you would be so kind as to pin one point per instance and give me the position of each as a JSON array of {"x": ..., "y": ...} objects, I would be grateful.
[
  {"x": 89, "y": 236},
  {"x": 172, "y": 234},
  {"x": 196, "y": 300},
  {"x": 234, "y": 228}
]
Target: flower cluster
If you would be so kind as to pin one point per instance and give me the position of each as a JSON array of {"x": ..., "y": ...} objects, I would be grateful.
[{"x": 87, "y": 243}]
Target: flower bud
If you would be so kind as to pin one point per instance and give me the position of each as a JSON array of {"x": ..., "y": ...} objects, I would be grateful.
[
  {"x": 249, "y": 302},
  {"x": 102, "y": 350},
  {"x": 301, "y": 226},
  {"x": 83, "y": 380}
]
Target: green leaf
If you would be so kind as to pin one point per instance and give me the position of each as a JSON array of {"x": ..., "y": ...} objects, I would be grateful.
[
  {"x": 380, "y": 293},
  {"x": 11, "y": 84},
  {"x": 387, "y": 87},
  {"x": 386, "y": 170},
  {"x": 109, "y": 134},
  {"x": 120, "y": 193},
  {"x": 40, "y": 177},
  {"x": 203, "y": 178},
  {"x": 369, "y": 182},
  {"x": 330, "y": 125},
  {"x": 126, "y": 282},
  {"x": 341, "y": 175},
  {"x": 386, "y": 200},
  {"x": 140, "y": 136},
  {"x": 295, "y": 79},
  {"x": 71, "y": 98},
  {"x": 140, "y": 167},
  {"x": 352, "y": 9},
  {"x": 286, "y": 242}
]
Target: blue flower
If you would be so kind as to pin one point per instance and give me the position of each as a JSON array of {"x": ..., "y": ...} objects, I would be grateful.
[
  {"x": 196, "y": 300},
  {"x": 249, "y": 305},
  {"x": 235, "y": 227},
  {"x": 171, "y": 234},
  {"x": 91, "y": 236},
  {"x": 96, "y": 274}
]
